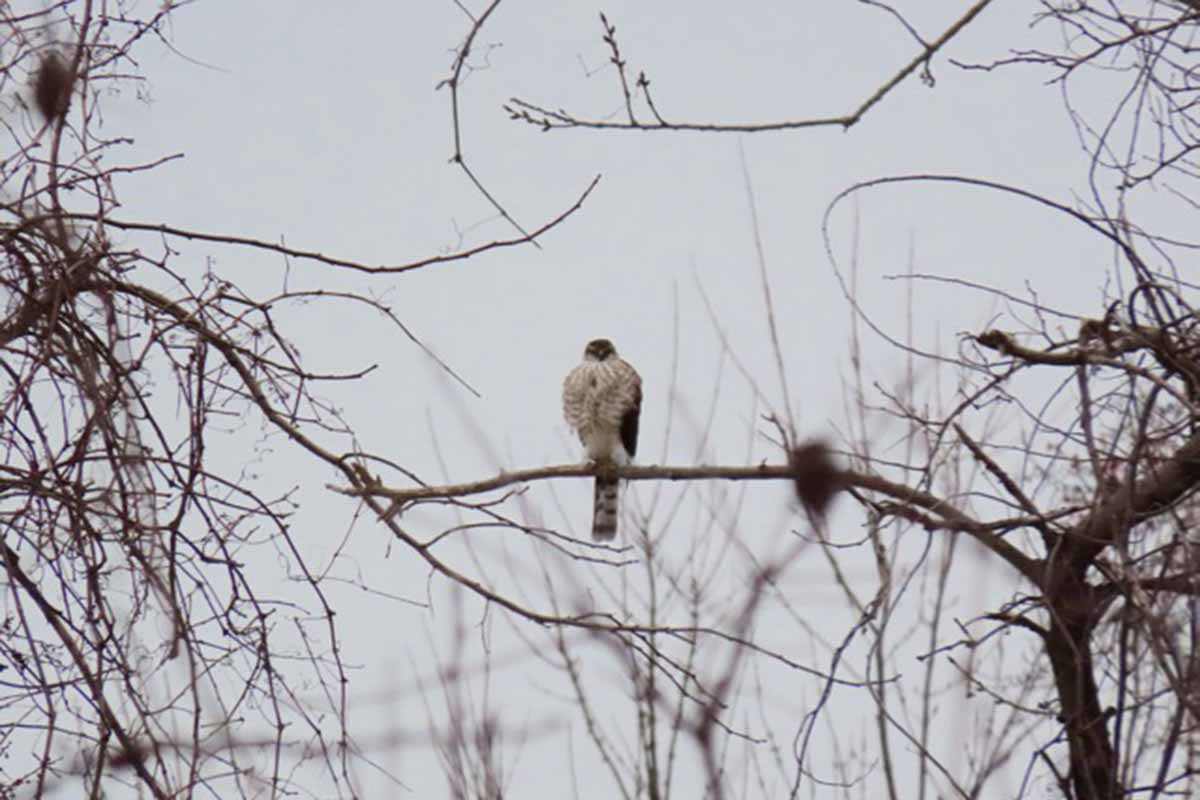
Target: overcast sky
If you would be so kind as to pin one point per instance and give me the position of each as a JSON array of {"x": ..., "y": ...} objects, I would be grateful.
[{"x": 321, "y": 125}]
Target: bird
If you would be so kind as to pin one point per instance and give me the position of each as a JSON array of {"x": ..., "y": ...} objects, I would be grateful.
[{"x": 602, "y": 400}]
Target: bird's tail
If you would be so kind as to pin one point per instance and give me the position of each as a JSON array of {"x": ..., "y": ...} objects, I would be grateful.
[{"x": 604, "y": 519}]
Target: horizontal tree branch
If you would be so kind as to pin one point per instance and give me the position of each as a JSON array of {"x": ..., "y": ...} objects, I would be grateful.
[
  {"x": 632, "y": 473},
  {"x": 947, "y": 517}
]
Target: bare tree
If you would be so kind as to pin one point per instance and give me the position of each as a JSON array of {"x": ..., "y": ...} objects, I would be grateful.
[
  {"x": 143, "y": 574},
  {"x": 133, "y": 555}
]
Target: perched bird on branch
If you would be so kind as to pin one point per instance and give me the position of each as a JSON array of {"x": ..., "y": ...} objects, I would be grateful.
[{"x": 602, "y": 399}]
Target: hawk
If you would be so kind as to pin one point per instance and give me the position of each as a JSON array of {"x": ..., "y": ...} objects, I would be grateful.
[{"x": 602, "y": 398}]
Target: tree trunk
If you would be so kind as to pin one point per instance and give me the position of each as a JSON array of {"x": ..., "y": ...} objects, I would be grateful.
[{"x": 1068, "y": 644}]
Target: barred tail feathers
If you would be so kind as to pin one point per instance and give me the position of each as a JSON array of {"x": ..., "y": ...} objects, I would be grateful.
[{"x": 604, "y": 514}]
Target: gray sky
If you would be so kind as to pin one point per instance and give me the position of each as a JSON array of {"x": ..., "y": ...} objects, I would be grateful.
[{"x": 320, "y": 125}]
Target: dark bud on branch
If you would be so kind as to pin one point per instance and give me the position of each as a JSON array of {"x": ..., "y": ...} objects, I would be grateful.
[
  {"x": 817, "y": 477},
  {"x": 52, "y": 86}
]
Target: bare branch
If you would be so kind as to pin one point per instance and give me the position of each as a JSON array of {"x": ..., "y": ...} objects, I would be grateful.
[
  {"x": 370, "y": 269},
  {"x": 547, "y": 119}
]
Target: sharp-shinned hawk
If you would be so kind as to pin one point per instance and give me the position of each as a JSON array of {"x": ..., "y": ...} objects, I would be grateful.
[{"x": 602, "y": 398}]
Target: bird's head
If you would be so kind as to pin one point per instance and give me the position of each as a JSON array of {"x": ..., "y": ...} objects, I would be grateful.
[{"x": 599, "y": 350}]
